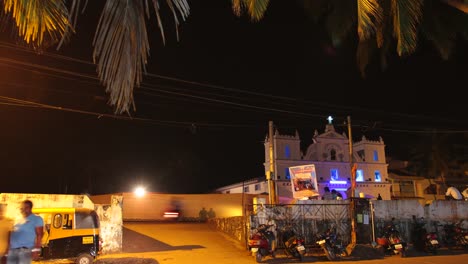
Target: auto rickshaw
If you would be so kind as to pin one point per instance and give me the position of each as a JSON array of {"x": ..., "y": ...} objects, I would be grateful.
[{"x": 70, "y": 233}]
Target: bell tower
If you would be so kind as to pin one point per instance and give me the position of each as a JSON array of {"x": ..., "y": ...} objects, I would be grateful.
[{"x": 286, "y": 152}]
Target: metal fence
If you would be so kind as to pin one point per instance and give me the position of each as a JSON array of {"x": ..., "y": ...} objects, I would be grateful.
[{"x": 307, "y": 220}]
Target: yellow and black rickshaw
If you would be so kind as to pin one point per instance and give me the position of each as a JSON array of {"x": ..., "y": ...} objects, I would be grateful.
[{"x": 70, "y": 233}]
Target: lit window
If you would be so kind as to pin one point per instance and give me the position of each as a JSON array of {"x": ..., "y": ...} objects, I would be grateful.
[
  {"x": 246, "y": 189},
  {"x": 376, "y": 155},
  {"x": 359, "y": 176},
  {"x": 286, "y": 172},
  {"x": 287, "y": 152},
  {"x": 334, "y": 174},
  {"x": 378, "y": 178}
]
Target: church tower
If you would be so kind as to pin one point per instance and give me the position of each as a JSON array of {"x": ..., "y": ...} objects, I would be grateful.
[{"x": 286, "y": 152}]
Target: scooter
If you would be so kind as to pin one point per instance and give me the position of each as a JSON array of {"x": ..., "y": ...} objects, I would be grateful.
[
  {"x": 455, "y": 236},
  {"x": 330, "y": 244},
  {"x": 293, "y": 244},
  {"x": 423, "y": 240},
  {"x": 392, "y": 241},
  {"x": 262, "y": 242}
]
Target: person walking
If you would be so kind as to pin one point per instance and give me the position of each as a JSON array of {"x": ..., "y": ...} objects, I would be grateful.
[
  {"x": 6, "y": 225},
  {"x": 26, "y": 237}
]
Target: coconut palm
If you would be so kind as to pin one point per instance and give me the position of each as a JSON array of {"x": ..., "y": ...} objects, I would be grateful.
[
  {"x": 121, "y": 46},
  {"x": 431, "y": 156},
  {"x": 382, "y": 25}
]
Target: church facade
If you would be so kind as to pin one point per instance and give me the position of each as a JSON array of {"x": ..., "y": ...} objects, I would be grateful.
[{"x": 329, "y": 152}]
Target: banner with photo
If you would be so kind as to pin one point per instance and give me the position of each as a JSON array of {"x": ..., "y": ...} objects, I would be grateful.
[{"x": 303, "y": 181}]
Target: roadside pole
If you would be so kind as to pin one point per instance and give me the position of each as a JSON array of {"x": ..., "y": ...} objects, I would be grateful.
[
  {"x": 271, "y": 173},
  {"x": 352, "y": 203}
]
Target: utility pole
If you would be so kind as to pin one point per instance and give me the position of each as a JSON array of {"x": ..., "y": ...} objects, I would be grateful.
[
  {"x": 271, "y": 172},
  {"x": 352, "y": 203}
]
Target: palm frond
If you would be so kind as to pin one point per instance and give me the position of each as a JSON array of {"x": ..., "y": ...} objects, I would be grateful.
[
  {"x": 442, "y": 24},
  {"x": 72, "y": 17},
  {"x": 461, "y": 5},
  {"x": 406, "y": 17},
  {"x": 121, "y": 49},
  {"x": 237, "y": 6},
  {"x": 39, "y": 21},
  {"x": 178, "y": 7},
  {"x": 341, "y": 20},
  {"x": 365, "y": 50},
  {"x": 369, "y": 16},
  {"x": 255, "y": 8}
]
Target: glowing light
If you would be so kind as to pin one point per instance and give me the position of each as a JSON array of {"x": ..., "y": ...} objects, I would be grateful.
[
  {"x": 338, "y": 182},
  {"x": 330, "y": 119},
  {"x": 140, "y": 191},
  {"x": 171, "y": 214}
]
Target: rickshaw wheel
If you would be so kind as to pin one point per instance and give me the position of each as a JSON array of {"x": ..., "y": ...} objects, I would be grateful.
[{"x": 84, "y": 259}]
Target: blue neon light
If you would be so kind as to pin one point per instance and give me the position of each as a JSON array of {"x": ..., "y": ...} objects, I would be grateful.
[{"x": 338, "y": 182}]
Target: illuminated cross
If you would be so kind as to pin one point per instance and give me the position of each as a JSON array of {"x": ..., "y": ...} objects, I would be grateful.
[{"x": 330, "y": 119}]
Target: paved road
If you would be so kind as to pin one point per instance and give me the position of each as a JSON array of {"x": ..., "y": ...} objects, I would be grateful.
[{"x": 192, "y": 243}]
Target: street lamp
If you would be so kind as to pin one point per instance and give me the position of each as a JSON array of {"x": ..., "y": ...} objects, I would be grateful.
[{"x": 140, "y": 191}]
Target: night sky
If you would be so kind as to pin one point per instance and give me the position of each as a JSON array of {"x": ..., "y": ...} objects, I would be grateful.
[{"x": 203, "y": 110}]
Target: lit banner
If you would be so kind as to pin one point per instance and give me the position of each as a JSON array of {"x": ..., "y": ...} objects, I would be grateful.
[{"x": 303, "y": 181}]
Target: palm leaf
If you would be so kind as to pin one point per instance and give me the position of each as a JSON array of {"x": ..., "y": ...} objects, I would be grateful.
[
  {"x": 176, "y": 6},
  {"x": 365, "y": 50},
  {"x": 237, "y": 6},
  {"x": 369, "y": 16},
  {"x": 406, "y": 17},
  {"x": 255, "y": 8},
  {"x": 461, "y": 5},
  {"x": 442, "y": 24},
  {"x": 341, "y": 20},
  {"x": 39, "y": 22},
  {"x": 121, "y": 49},
  {"x": 121, "y": 46},
  {"x": 72, "y": 17}
]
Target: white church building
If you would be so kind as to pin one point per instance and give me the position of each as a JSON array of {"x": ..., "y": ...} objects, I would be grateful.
[{"x": 329, "y": 152}]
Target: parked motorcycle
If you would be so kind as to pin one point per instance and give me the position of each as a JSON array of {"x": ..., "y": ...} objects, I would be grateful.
[
  {"x": 293, "y": 244},
  {"x": 423, "y": 240},
  {"x": 331, "y": 245},
  {"x": 455, "y": 236},
  {"x": 262, "y": 242},
  {"x": 391, "y": 241}
]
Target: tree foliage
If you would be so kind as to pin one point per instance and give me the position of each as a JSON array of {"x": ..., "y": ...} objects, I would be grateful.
[{"x": 121, "y": 46}]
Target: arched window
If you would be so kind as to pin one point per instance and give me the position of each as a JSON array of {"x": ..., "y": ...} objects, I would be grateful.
[{"x": 332, "y": 154}]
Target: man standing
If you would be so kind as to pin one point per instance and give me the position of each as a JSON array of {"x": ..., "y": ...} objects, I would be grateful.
[
  {"x": 6, "y": 225},
  {"x": 327, "y": 195},
  {"x": 26, "y": 238}
]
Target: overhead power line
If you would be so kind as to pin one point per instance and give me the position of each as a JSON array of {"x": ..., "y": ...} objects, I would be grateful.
[{"x": 206, "y": 97}]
